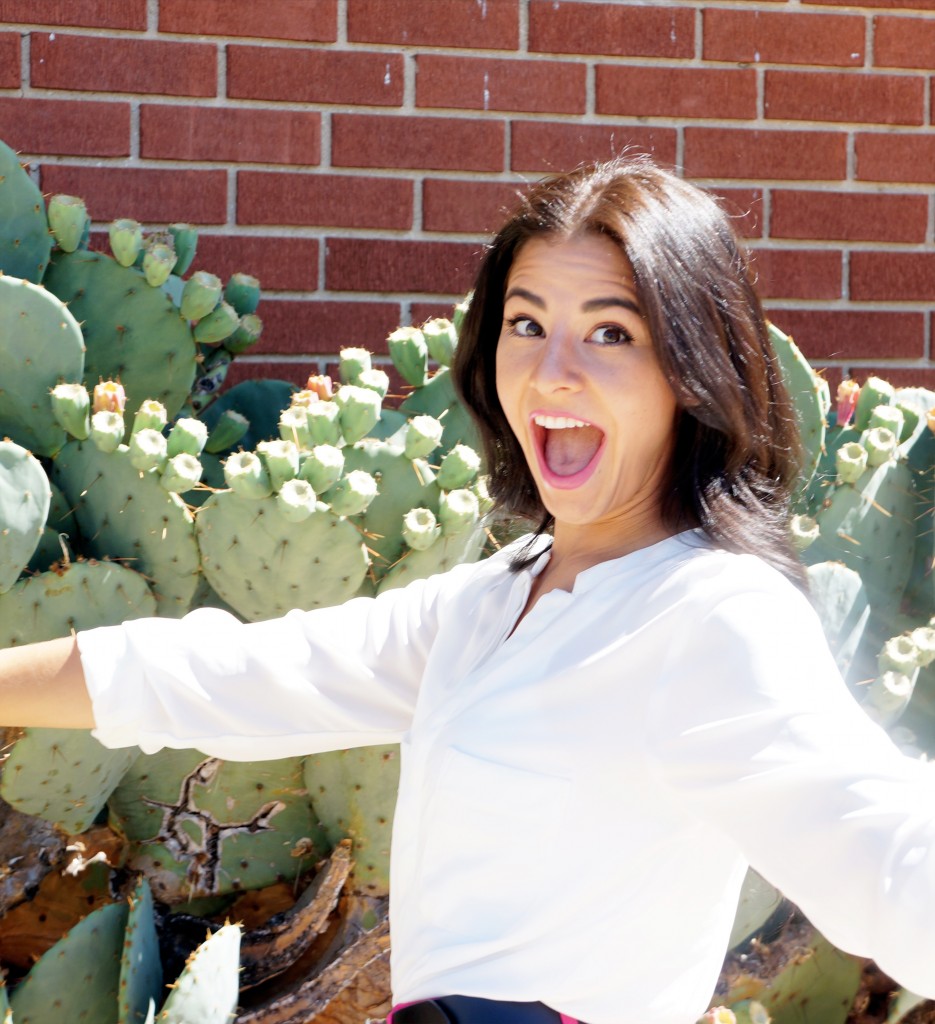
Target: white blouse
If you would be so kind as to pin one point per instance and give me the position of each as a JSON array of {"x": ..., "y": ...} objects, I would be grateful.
[{"x": 579, "y": 799}]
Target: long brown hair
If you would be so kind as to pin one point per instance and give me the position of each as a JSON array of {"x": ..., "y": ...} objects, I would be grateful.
[{"x": 737, "y": 449}]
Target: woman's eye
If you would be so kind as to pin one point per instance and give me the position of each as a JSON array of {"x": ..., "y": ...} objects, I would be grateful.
[
  {"x": 523, "y": 327},
  {"x": 610, "y": 334}
]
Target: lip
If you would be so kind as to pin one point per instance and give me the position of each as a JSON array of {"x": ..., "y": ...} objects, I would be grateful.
[{"x": 552, "y": 479}]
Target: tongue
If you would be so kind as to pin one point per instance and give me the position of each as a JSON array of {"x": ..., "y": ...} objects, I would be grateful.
[{"x": 569, "y": 450}]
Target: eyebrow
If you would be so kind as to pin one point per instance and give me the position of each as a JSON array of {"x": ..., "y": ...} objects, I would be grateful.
[{"x": 591, "y": 306}]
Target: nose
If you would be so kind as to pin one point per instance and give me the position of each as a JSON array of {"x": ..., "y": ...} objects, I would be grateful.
[{"x": 558, "y": 367}]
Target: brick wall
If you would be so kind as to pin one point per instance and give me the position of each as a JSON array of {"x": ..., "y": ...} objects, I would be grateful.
[{"x": 353, "y": 154}]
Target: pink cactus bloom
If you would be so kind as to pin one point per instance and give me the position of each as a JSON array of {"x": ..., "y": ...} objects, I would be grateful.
[
  {"x": 320, "y": 384},
  {"x": 848, "y": 393},
  {"x": 109, "y": 396}
]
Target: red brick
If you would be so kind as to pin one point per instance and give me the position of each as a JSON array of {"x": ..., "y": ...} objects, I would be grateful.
[
  {"x": 904, "y": 42},
  {"x": 245, "y": 368},
  {"x": 868, "y": 217},
  {"x": 117, "y": 64},
  {"x": 839, "y": 96},
  {"x": 781, "y": 38},
  {"x": 612, "y": 29},
  {"x": 893, "y": 276},
  {"x": 888, "y": 157},
  {"x": 283, "y": 264},
  {"x": 229, "y": 134},
  {"x": 66, "y": 127},
  {"x": 329, "y": 199},
  {"x": 676, "y": 92},
  {"x": 422, "y": 311},
  {"x": 545, "y": 146},
  {"x": 433, "y": 143},
  {"x": 461, "y": 23},
  {"x": 379, "y": 265},
  {"x": 150, "y": 196},
  {"x": 9, "y": 60},
  {"x": 745, "y": 208},
  {"x": 472, "y": 83},
  {"x": 126, "y": 14},
  {"x": 314, "y": 76},
  {"x": 898, "y": 376},
  {"x": 922, "y": 5},
  {"x": 324, "y": 326},
  {"x": 797, "y": 273},
  {"x": 854, "y": 333},
  {"x": 761, "y": 155},
  {"x": 477, "y": 207},
  {"x": 309, "y": 21}
]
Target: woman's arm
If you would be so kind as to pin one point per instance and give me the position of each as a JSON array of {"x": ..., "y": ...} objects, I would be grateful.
[
  {"x": 756, "y": 733},
  {"x": 43, "y": 685}
]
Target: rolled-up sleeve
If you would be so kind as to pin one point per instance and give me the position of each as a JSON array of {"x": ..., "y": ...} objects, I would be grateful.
[
  {"x": 756, "y": 733},
  {"x": 309, "y": 681}
]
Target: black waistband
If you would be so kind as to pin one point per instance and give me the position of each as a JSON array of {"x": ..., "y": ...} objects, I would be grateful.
[{"x": 473, "y": 1010}]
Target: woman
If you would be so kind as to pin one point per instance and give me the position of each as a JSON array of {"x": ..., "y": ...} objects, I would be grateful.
[{"x": 640, "y": 686}]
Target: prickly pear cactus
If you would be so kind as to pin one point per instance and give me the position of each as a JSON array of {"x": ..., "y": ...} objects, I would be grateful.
[{"x": 25, "y": 242}]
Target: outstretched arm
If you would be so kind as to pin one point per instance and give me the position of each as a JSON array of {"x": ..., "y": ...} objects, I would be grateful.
[{"x": 43, "y": 685}]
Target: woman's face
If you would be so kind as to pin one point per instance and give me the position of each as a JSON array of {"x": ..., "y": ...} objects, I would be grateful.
[{"x": 581, "y": 387}]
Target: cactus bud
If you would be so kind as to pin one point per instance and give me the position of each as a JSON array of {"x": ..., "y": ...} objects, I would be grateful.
[
  {"x": 851, "y": 461},
  {"x": 441, "y": 339},
  {"x": 181, "y": 474},
  {"x": 359, "y": 411},
  {"x": 243, "y": 293},
  {"x": 126, "y": 241},
  {"x": 324, "y": 424},
  {"x": 148, "y": 450},
  {"x": 880, "y": 444},
  {"x": 200, "y": 295},
  {"x": 68, "y": 219},
  {"x": 229, "y": 429},
  {"x": 184, "y": 241},
  {"x": 804, "y": 532},
  {"x": 352, "y": 493},
  {"x": 458, "y": 511},
  {"x": 924, "y": 639},
  {"x": 158, "y": 263},
  {"x": 420, "y": 529},
  {"x": 889, "y": 416},
  {"x": 458, "y": 468},
  {"x": 293, "y": 426},
  {"x": 247, "y": 334},
  {"x": 410, "y": 354},
  {"x": 281, "y": 459},
  {"x": 847, "y": 395},
  {"x": 354, "y": 361},
  {"x": 875, "y": 391},
  {"x": 423, "y": 436},
  {"x": 323, "y": 467},
  {"x": 219, "y": 324},
  {"x": 107, "y": 430},
  {"x": 188, "y": 436},
  {"x": 889, "y": 693},
  {"x": 375, "y": 380},
  {"x": 151, "y": 415},
  {"x": 247, "y": 476},
  {"x": 899, "y": 654},
  {"x": 109, "y": 396},
  {"x": 296, "y": 500},
  {"x": 71, "y": 407},
  {"x": 460, "y": 312}
]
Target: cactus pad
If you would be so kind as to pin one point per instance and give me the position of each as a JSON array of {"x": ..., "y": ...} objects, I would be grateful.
[{"x": 41, "y": 346}]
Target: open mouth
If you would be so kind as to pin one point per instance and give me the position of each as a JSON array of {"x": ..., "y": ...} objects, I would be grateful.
[{"x": 568, "y": 448}]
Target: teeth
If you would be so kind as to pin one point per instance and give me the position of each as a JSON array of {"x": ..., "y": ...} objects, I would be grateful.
[{"x": 558, "y": 422}]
